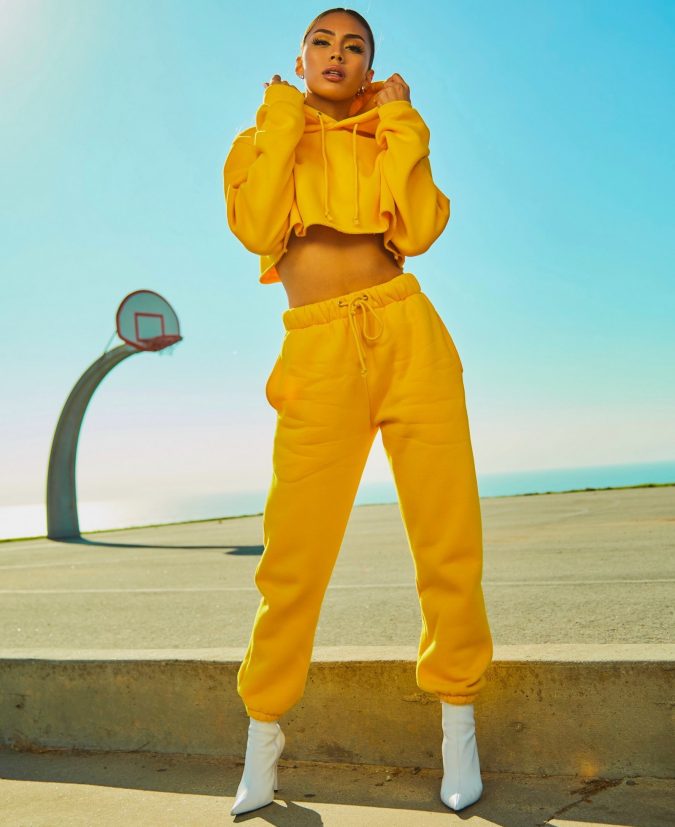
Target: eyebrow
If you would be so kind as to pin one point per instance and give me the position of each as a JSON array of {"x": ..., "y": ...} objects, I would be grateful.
[{"x": 328, "y": 31}]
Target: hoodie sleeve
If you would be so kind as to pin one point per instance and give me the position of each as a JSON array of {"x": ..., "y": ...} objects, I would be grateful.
[
  {"x": 258, "y": 172},
  {"x": 419, "y": 210}
]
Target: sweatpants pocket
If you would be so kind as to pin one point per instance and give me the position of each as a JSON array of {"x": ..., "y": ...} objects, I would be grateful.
[
  {"x": 447, "y": 338},
  {"x": 273, "y": 385}
]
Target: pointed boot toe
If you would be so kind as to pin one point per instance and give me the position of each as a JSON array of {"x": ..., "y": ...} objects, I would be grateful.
[{"x": 260, "y": 779}]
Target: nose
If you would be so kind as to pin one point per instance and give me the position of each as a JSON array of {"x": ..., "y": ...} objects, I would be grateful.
[{"x": 338, "y": 56}]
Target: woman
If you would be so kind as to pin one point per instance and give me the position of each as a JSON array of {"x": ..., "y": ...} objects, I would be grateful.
[{"x": 332, "y": 189}]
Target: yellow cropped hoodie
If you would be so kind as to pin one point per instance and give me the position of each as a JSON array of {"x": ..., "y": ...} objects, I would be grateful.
[{"x": 366, "y": 173}]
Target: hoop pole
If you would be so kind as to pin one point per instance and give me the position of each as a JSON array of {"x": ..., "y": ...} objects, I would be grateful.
[{"x": 62, "y": 519}]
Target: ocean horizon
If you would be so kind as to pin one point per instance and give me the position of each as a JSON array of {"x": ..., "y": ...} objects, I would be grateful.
[{"x": 30, "y": 520}]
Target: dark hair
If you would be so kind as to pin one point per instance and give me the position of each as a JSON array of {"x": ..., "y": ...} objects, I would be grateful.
[{"x": 362, "y": 20}]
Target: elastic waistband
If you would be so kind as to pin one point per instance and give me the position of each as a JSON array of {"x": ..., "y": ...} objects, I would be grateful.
[{"x": 399, "y": 287}]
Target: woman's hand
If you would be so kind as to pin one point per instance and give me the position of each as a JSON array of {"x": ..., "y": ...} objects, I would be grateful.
[
  {"x": 394, "y": 89},
  {"x": 277, "y": 79}
]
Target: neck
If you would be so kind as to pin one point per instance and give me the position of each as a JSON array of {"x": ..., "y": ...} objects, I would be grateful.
[{"x": 336, "y": 109}]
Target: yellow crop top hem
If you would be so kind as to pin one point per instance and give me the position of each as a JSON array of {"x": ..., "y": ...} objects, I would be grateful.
[{"x": 366, "y": 173}]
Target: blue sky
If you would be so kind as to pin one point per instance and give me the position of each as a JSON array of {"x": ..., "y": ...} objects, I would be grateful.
[{"x": 551, "y": 133}]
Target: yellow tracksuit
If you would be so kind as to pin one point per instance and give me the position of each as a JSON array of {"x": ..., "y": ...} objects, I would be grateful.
[{"x": 377, "y": 358}]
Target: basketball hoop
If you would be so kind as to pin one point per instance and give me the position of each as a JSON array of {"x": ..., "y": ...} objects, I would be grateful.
[{"x": 147, "y": 321}]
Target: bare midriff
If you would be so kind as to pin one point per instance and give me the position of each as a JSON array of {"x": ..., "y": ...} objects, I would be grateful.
[{"x": 326, "y": 263}]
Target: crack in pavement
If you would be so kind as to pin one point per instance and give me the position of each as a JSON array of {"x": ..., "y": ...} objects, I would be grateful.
[{"x": 588, "y": 788}]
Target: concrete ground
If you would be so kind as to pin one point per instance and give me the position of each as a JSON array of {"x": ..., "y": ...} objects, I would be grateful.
[
  {"x": 590, "y": 567},
  {"x": 577, "y": 568},
  {"x": 108, "y": 790}
]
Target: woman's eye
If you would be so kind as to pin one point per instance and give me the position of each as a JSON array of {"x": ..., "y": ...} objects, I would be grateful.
[{"x": 318, "y": 41}]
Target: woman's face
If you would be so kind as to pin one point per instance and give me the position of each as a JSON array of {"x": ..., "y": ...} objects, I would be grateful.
[{"x": 336, "y": 40}]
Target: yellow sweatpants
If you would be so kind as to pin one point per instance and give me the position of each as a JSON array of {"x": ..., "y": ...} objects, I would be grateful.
[{"x": 375, "y": 358}]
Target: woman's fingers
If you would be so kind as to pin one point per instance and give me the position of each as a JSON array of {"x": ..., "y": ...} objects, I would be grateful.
[
  {"x": 276, "y": 79},
  {"x": 395, "y": 88},
  {"x": 396, "y": 78}
]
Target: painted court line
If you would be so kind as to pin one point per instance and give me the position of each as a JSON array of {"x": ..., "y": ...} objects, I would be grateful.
[{"x": 203, "y": 589}]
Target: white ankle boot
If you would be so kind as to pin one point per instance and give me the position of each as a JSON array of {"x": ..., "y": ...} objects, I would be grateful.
[
  {"x": 264, "y": 745},
  {"x": 462, "y": 784}
]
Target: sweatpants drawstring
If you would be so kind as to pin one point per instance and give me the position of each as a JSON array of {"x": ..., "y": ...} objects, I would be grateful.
[{"x": 354, "y": 304}]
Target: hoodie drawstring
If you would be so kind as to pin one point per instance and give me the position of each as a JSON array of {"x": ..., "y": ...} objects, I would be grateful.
[
  {"x": 326, "y": 211},
  {"x": 354, "y": 304},
  {"x": 325, "y": 172},
  {"x": 356, "y": 178}
]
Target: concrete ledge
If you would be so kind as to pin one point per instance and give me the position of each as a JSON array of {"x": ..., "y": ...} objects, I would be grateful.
[{"x": 583, "y": 710}]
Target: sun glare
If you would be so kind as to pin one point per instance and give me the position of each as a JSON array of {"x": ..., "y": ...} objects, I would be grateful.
[{"x": 15, "y": 28}]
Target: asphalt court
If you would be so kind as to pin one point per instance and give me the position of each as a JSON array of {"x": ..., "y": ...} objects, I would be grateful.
[{"x": 582, "y": 567}]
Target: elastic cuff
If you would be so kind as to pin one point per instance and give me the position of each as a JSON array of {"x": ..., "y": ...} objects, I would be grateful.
[
  {"x": 276, "y": 92},
  {"x": 261, "y": 716},
  {"x": 390, "y": 106}
]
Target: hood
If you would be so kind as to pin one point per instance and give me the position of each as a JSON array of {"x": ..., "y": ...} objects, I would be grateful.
[
  {"x": 363, "y": 117},
  {"x": 363, "y": 113}
]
